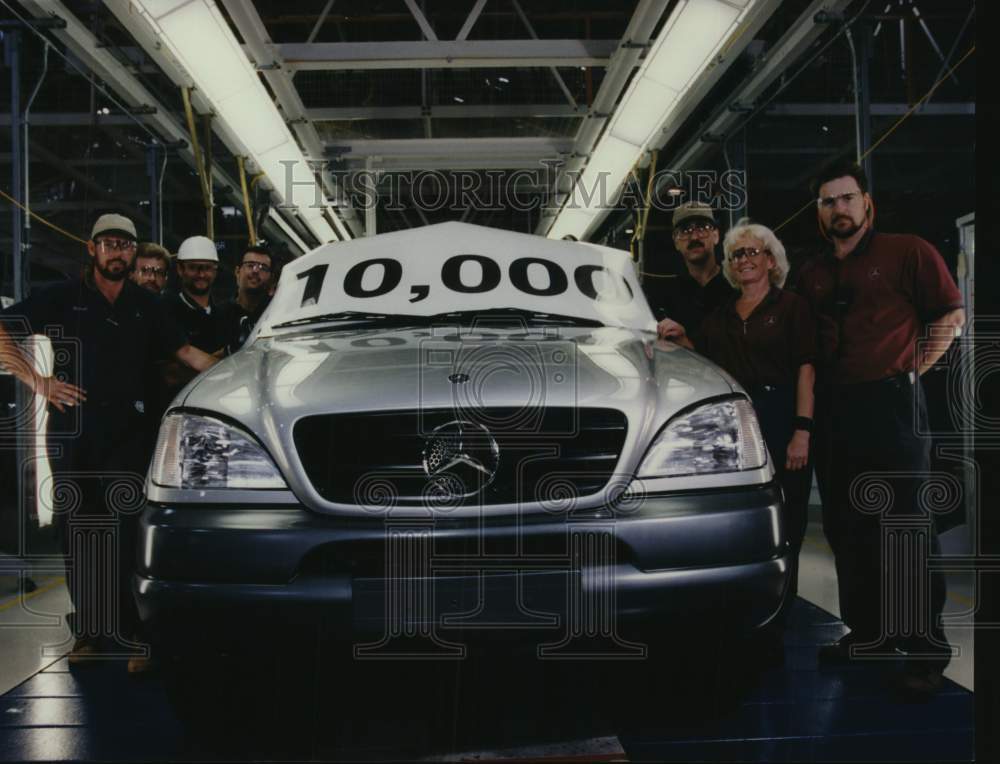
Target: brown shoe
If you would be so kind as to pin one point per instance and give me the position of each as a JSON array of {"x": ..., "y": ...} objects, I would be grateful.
[
  {"x": 83, "y": 650},
  {"x": 837, "y": 654},
  {"x": 138, "y": 665},
  {"x": 918, "y": 684}
]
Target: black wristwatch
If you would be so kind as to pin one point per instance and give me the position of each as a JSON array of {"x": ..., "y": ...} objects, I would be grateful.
[{"x": 804, "y": 423}]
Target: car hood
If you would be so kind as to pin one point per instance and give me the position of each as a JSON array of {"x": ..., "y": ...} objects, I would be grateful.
[{"x": 276, "y": 381}]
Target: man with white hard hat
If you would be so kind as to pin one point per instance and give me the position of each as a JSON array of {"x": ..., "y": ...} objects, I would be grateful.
[
  {"x": 197, "y": 267},
  {"x": 204, "y": 323}
]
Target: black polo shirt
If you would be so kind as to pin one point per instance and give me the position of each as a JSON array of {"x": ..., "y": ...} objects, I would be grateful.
[
  {"x": 105, "y": 348},
  {"x": 684, "y": 300},
  {"x": 874, "y": 303},
  {"x": 241, "y": 322},
  {"x": 207, "y": 329},
  {"x": 768, "y": 347}
]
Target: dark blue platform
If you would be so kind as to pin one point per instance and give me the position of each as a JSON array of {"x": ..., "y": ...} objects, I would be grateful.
[{"x": 708, "y": 711}]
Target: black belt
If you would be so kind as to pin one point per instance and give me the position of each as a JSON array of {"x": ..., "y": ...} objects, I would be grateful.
[{"x": 896, "y": 380}]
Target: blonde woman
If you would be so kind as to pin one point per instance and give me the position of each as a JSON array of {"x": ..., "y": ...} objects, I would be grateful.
[{"x": 766, "y": 338}]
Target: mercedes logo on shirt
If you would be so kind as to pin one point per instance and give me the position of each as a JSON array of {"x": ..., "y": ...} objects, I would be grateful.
[{"x": 460, "y": 459}]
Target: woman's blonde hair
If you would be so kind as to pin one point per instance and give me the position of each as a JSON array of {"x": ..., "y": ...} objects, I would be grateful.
[{"x": 744, "y": 227}]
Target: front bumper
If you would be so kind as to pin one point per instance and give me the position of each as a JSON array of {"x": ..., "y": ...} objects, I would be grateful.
[{"x": 716, "y": 556}]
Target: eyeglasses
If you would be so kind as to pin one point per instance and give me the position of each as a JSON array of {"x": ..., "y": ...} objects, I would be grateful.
[
  {"x": 751, "y": 252},
  {"x": 151, "y": 270},
  {"x": 829, "y": 202},
  {"x": 117, "y": 245},
  {"x": 261, "y": 267},
  {"x": 202, "y": 268},
  {"x": 692, "y": 228}
]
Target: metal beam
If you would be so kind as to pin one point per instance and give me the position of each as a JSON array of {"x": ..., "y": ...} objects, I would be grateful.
[
  {"x": 452, "y": 147},
  {"x": 877, "y": 109},
  {"x": 100, "y": 192},
  {"x": 555, "y": 72},
  {"x": 12, "y": 59},
  {"x": 424, "y": 25},
  {"x": 78, "y": 119},
  {"x": 938, "y": 148},
  {"x": 860, "y": 60},
  {"x": 404, "y": 164},
  {"x": 797, "y": 40},
  {"x": 447, "y": 111},
  {"x": 81, "y": 42},
  {"x": 262, "y": 51},
  {"x": 561, "y": 110},
  {"x": 320, "y": 21},
  {"x": 692, "y": 98},
  {"x": 623, "y": 62},
  {"x": 446, "y": 54},
  {"x": 471, "y": 19}
]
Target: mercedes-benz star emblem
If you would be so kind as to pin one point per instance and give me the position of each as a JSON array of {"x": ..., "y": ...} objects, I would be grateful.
[{"x": 460, "y": 459}]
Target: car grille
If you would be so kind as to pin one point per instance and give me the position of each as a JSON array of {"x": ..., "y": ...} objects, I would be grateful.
[{"x": 548, "y": 455}]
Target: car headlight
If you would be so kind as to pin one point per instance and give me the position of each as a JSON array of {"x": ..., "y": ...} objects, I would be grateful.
[
  {"x": 719, "y": 437},
  {"x": 200, "y": 452}
]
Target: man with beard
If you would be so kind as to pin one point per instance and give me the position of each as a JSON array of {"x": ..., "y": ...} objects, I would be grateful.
[
  {"x": 151, "y": 264},
  {"x": 204, "y": 322},
  {"x": 689, "y": 297},
  {"x": 192, "y": 305},
  {"x": 106, "y": 331},
  {"x": 876, "y": 295},
  {"x": 254, "y": 282}
]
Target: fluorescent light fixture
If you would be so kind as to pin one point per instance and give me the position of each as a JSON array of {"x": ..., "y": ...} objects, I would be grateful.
[
  {"x": 689, "y": 40},
  {"x": 570, "y": 221},
  {"x": 688, "y": 44},
  {"x": 642, "y": 111},
  {"x": 198, "y": 37}
]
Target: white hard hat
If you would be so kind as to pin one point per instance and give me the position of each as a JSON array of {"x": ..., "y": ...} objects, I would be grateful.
[{"x": 198, "y": 248}]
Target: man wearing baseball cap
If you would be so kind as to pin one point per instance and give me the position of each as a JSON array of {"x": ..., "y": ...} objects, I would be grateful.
[
  {"x": 690, "y": 296},
  {"x": 105, "y": 332}
]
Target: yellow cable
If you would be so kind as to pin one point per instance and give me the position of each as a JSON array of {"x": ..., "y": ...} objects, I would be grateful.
[
  {"x": 40, "y": 219},
  {"x": 246, "y": 200},
  {"x": 891, "y": 130}
]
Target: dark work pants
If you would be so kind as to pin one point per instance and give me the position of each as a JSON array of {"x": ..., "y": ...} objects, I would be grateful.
[
  {"x": 98, "y": 492},
  {"x": 881, "y": 534},
  {"x": 775, "y": 407}
]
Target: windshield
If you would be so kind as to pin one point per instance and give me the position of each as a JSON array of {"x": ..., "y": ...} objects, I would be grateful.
[{"x": 457, "y": 273}]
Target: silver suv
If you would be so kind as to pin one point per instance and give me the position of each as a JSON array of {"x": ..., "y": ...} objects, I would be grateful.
[{"x": 455, "y": 430}]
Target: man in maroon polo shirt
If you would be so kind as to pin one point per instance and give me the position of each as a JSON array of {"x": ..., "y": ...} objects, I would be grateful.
[{"x": 875, "y": 295}]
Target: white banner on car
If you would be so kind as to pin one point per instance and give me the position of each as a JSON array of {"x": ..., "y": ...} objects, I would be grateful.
[{"x": 459, "y": 267}]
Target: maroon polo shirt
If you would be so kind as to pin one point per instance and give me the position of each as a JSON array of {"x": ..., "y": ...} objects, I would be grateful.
[
  {"x": 768, "y": 347},
  {"x": 873, "y": 304}
]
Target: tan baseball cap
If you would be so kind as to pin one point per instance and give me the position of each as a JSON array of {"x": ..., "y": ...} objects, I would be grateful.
[
  {"x": 197, "y": 248},
  {"x": 113, "y": 223},
  {"x": 693, "y": 211}
]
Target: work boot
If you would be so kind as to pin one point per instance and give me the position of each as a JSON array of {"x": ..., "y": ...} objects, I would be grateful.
[
  {"x": 917, "y": 683},
  {"x": 84, "y": 648},
  {"x": 139, "y": 664},
  {"x": 838, "y": 653}
]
